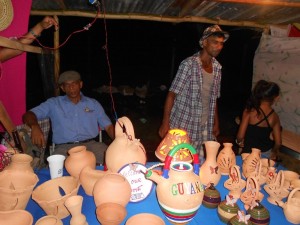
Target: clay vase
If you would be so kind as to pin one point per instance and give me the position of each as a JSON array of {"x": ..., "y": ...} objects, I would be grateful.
[
  {"x": 52, "y": 194},
  {"x": 49, "y": 220},
  {"x": 226, "y": 158},
  {"x": 209, "y": 171},
  {"x": 251, "y": 193},
  {"x": 110, "y": 213},
  {"x": 125, "y": 148},
  {"x": 112, "y": 187},
  {"x": 79, "y": 157},
  {"x": 211, "y": 198},
  {"x": 145, "y": 219},
  {"x": 291, "y": 208},
  {"x": 16, "y": 188},
  {"x": 259, "y": 215},
  {"x": 20, "y": 162},
  {"x": 179, "y": 190},
  {"x": 235, "y": 184},
  {"x": 16, "y": 217},
  {"x": 250, "y": 162},
  {"x": 228, "y": 208},
  {"x": 74, "y": 204},
  {"x": 88, "y": 177}
]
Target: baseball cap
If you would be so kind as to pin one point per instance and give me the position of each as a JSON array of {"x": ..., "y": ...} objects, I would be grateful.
[
  {"x": 212, "y": 30},
  {"x": 69, "y": 75}
]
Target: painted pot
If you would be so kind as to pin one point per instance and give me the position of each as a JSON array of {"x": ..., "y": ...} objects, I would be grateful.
[
  {"x": 251, "y": 162},
  {"x": 235, "y": 184},
  {"x": 211, "y": 197},
  {"x": 259, "y": 215},
  {"x": 226, "y": 159},
  {"x": 228, "y": 208}
]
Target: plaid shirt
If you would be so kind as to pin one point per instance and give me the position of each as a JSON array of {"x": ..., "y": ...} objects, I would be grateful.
[{"x": 187, "y": 108}]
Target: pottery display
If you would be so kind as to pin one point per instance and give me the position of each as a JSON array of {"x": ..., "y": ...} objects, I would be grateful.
[
  {"x": 110, "y": 213},
  {"x": 226, "y": 159},
  {"x": 240, "y": 219},
  {"x": 288, "y": 177},
  {"x": 49, "y": 220},
  {"x": 145, "y": 219},
  {"x": 79, "y": 157},
  {"x": 179, "y": 190},
  {"x": 228, "y": 208},
  {"x": 52, "y": 194},
  {"x": 291, "y": 208},
  {"x": 209, "y": 171},
  {"x": 259, "y": 215},
  {"x": 112, "y": 187},
  {"x": 16, "y": 217},
  {"x": 15, "y": 188},
  {"x": 74, "y": 204},
  {"x": 125, "y": 148},
  {"x": 21, "y": 162},
  {"x": 251, "y": 193},
  {"x": 251, "y": 162},
  {"x": 235, "y": 184},
  {"x": 211, "y": 198},
  {"x": 88, "y": 177}
]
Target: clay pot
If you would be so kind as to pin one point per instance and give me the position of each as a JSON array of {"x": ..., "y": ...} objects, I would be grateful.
[
  {"x": 271, "y": 175},
  {"x": 125, "y": 148},
  {"x": 228, "y": 208},
  {"x": 211, "y": 198},
  {"x": 288, "y": 177},
  {"x": 74, "y": 204},
  {"x": 240, "y": 219},
  {"x": 88, "y": 177},
  {"x": 266, "y": 164},
  {"x": 79, "y": 157},
  {"x": 112, "y": 187},
  {"x": 20, "y": 162},
  {"x": 110, "y": 213},
  {"x": 259, "y": 214},
  {"x": 235, "y": 184},
  {"x": 16, "y": 217},
  {"x": 145, "y": 219},
  {"x": 226, "y": 159},
  {"x": 209, "y": 171},
  {"x": 291, "y": 208},
  {"x": 15, "y": 189},
  {"x": 250, "y": 162},
  {"x": 52, "y": 194},
  {"x": 49, "y": 220}
]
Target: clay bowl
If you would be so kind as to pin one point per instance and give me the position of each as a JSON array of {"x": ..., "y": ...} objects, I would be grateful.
[
  {"x": 49, "y": 220},
  {"x": 288, "y": 177},
  {"x": 16, "y": 217},
  {"x": 145, "y": 219},
  {"x": 110, "y": 213}
]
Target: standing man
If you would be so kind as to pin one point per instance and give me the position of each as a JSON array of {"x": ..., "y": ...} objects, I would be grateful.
[
  {"x": 191, "y": 103},
  {"x": 75, "y": 119}
]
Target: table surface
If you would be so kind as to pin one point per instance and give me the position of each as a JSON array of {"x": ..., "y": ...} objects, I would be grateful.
[{"x": 150, "y": 205}]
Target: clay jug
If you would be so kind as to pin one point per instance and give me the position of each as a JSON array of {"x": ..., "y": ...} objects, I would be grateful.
[
  {"x": 209, "y": 171},
  {"x": 88, "y": 177},
  {"x": 226, "y": 159},
  {"x": 79, "y": 157},
  {"x": 291, "y": 208},
  {"x": 112, "y": 187},
  {"x": 74, "y": 204},
  {"x": 145, "y": 219},
  {"x": 20, "y": 162},
  {"x": 110, "y": 213},
  {"x": 227, "y": 209},
  {"x": 259, "y": 215},
  {"x": 235, "y": 184},
  {"x": 49, "y": 220},
  {"x": 125, "y": 148},
  {"x": 179, "y": 190},
  {"x": 250, "y": 162},
  {"x": 16, "y": 217},
  {"x": 211, "y": 197}
]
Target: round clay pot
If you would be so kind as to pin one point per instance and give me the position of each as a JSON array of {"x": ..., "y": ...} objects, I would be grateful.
[
  {"x": 88, "y": 177},
  {"x": 20, "y": 162},
  {"x": 259, "y": 215},
  {"x": 16, "y": 217},
  {"x": 79, "y": 157},
  {"x": 112, "y": 187},
  {"x": 145, "y": 219},
  {"x": 211, "y": 197},
  {"x": 49, "y": 220},
  {"x": 110, "y": 213},
  {"x": 227, "y": 209}
]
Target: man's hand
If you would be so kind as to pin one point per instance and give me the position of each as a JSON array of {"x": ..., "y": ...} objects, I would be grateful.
[{"x": 37, "y": 136}]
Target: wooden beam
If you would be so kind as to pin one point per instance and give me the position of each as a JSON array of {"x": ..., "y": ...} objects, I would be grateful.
[
  {"x": 262, "y": 2},
  {"x": 56, "y": 57},
  {"x": 8, "y": 43}
]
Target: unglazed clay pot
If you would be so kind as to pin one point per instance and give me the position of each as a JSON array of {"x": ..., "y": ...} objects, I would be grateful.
[
  {"x": 145, "y": 219},
  {"x": 15, "y": 189},
  {"x": 74, "y": 204},
  {"x": 112, "y": 187},
  {"x": 88, "y": 177},
  {"x": 125, "y": 148},
  {"x": 21, "y": 162},
  {"x": 16, "y": 217},
  {"x": 110, "y": 213},
  {"x": 228, "y": 208},
  {"x": 226, "y": 158},
  {"x": 179, "y": 190},
  {"x": 52, "y": 194},
  {"x": 49, "y": 220},
  {"x": 250, "y": 162},
  {"x": 79, "y": 157},
  {"x": 235, "y": 184},
  {"x": 209, "y": 171},
  {"x": 291, "y": 208}
]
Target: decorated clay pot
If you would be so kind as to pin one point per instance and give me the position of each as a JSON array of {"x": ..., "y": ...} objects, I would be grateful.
[
  {"x": 88, "y": 177},
  {"x": 235, "y": 184},
  {"x": 15, "y": 189},
  {"x": 209, "y": 171},
  {"x": 112, "y": 187},
  {"x": 74, "y": 204},
  {"x": 291, "y": 208},
  {"x": 21, "y": 162},
  {"x": 49, "y": 220},
  {"x": 271, "y": 175},
  {"x": 52, "y": 194},
  {"x": 145, "y": 219},
  {"x": 125, "y": 148},
  {"x": 250, "y": 162},
  {"x": 226, "y": 159},
  {"x": 179, "y": 190},
  {"x": 79, "y": 157},
  {"x": 259, "y": 215},
  {"x": 110, "y": 213},
  {"x": 228, "y": 209},
  {"x": 16, "y": 217},
  {"x": 240, "y": 219},
  {"x": 211, "y": 197},
  {"x": 266, "y": 164}
]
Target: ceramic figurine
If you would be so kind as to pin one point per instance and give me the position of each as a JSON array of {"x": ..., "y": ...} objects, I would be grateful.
[
  {"x": 250, "y": 162},
  {"x": 226, "y": 158},
  {"x": 211, "y": 197},
  {"x": 228, "y": 208},
  {"x": 235, "y": 184}
]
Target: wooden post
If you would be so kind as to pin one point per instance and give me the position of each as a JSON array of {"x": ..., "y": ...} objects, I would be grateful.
[{"x": 56, "y": 57}]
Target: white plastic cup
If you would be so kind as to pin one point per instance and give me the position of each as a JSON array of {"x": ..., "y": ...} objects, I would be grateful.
[{"x": 56, "y": 165}]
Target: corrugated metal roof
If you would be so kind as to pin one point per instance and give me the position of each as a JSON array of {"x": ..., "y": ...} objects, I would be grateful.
[{"x": 252, "y": 13}]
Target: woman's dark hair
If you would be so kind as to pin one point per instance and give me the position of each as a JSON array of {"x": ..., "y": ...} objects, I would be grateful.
[{"x": 262, "y": 91}]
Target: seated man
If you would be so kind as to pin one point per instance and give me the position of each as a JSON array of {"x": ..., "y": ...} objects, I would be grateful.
[{"x": 74, "y": 117}]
